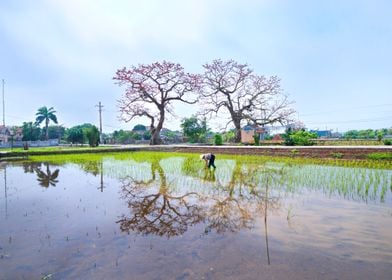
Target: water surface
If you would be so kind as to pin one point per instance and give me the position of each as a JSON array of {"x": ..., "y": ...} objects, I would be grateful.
[{"x": 157, "y": 217}]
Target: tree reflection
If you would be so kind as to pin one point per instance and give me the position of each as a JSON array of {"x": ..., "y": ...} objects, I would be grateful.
[
  {"x": 235, "y": 207},
  {"x": 155, "y": 209},
  {"x": 269, "y": 201},
  {"x": 30, "y": 167},
  {"x": 92, "y": 166},
  {"x": 47, "y": 178}
]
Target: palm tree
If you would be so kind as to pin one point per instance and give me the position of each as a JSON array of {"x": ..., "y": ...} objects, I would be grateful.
[{"x": 45, "y": 114}]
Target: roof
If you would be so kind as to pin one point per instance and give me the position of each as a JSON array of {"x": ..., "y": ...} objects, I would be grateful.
[{"x": 249, "y": 127}]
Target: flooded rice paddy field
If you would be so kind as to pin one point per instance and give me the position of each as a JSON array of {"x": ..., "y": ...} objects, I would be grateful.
[{"x": 163, "y": 216}]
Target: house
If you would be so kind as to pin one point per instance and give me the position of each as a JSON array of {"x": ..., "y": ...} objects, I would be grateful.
[
  {"x": 5, "y": 134},
  {"x": 248, "y": 132},
  {"x": 322, "y": 133},
  {"x": 8, "y": 134},
  {"x": 277, "y": 137}
]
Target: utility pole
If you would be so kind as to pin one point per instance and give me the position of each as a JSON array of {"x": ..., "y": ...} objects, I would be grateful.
[
  {"x": 3, "y": 104},
  {"x": 100, "y": 121}
]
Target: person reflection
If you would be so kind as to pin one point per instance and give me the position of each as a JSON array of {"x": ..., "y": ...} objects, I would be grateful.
[
  {"x": 209, "y": 175},
  {"x": 154, "y": 209},
  {"x": 230, "y": 210}
]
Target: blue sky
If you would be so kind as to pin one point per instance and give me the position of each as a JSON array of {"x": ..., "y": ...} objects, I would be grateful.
[{"x": 334, "y": 57}]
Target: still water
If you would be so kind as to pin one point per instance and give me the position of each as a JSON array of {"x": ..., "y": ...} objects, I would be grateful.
[{"x": 169, "y": 218}]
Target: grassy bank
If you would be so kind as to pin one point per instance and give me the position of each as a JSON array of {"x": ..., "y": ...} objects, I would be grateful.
[{"x": 311, "y": 153}]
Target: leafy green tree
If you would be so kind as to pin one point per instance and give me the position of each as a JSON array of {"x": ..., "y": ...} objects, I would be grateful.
[
  {"x": 218, "y": 140},
  {"x": 124, "y": 137},
  {"x": 366, "y": 134},
  {"x": 75, "y": 135},
  {"x": 84, "y": 128},
  {"x": 303, "y": 138},
  {"x": 351, "y": 134},
  {"x": 288, "y": 141},
  {"x": 298, "y": 137},
  {"x": 45, "y": 114},
  {"x": 147, "y": 135},
  {"x": 56, "y": 131},
  {"x": 193, "y": 128},
  {"x": 362, "y": 134},
  {"x": 92, "y": 135},
  {"x": 31, "y": 132},
  {"x": 380, "y": 135},
  {"x": 139, "y": 128},
  {"x": 229, "y": 136}
]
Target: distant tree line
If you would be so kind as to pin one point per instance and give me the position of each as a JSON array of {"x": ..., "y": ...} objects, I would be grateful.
[
  {"x": 368, "y": 134},
  {"x": 80, "y": 134},
  {"x": 139, "y": 132}
]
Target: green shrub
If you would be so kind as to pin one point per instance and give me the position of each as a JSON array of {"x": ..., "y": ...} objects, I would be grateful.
[
  {"x": 218, "y": 140},
  {"x": 299, "y": 138},
  {"x": 387, "y": 142},
  {"x": 92, "y": 135},
  {"x": 256, "y": 137},
  {"x": 337, "y": 155}
]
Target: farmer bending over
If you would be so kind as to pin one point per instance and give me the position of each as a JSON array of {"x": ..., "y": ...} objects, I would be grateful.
[{"x": 209, "y": 160}]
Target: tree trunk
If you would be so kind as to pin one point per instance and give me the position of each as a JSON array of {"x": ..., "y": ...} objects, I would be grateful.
[
  {"x": 237, "y": 125},
  {"x": 155, "y": 133},
  {"x": 155, "y": 137},
  {"x": 46, "y": 129}
]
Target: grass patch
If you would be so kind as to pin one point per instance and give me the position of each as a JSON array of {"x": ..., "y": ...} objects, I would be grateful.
[{"x": 380, "y": 156}]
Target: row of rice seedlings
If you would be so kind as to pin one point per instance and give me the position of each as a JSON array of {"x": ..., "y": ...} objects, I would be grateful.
[
  {"x": 357, "y": 184},
  {"x": 189, "y": 165},
  {"x": 143, "y": 156}
]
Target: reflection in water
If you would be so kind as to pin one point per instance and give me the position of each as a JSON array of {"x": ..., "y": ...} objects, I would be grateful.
[
  {"x": 209, "y": 175},
  {"x": 5, "y": 192},
  {"x": 47, "y": 178},
  {"x": 227, "y": 223},
  {"x": 101, "y": 174},
  {"x": 157, "y": 210},
  {"x": 30, "y": 167}
]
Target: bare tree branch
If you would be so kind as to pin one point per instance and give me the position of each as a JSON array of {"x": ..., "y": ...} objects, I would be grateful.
[{"x": 234, "y": 88}]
